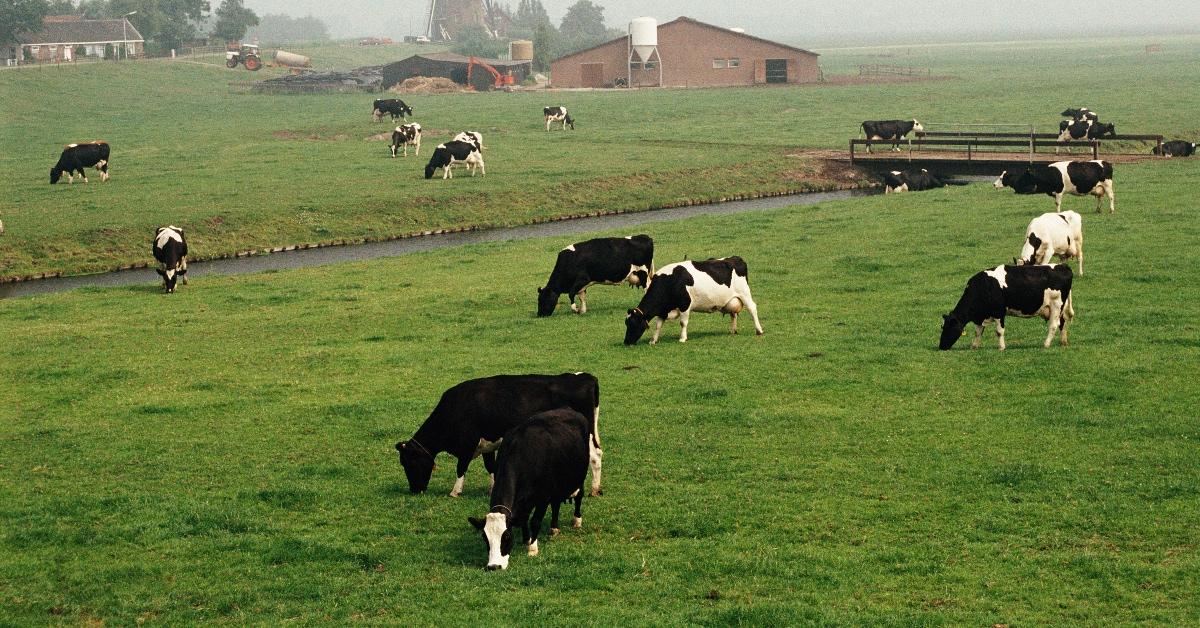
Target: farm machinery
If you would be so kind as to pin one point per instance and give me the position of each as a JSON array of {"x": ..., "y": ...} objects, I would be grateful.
[{"x": 245, "y": 54}]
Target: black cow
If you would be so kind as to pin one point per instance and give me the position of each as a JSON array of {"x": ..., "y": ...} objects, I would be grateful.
[
  {"x": 170, "y": 249},
  {"x": 607, "y": 261},
  {"x": 1081, "y": 113},
  {"x": 472, "y": 417},
  {"x": 894, "y": 130},
  {"x": 558, "y": 114},
  {"x": 677, "y": 290},
  {"x": 542, "y": 464},
  {"x": 404, "y": 136},
  {"x": 76, "y": 157},
  {"x": 1079, "y": 178},
  {"x": 450, "y": 153},
  {"x": 1023, "y": 291},
  {"x": 1176, "y": 148},
  {"x": 390, "y": 106},
  {"x": 914, "y": 181}
]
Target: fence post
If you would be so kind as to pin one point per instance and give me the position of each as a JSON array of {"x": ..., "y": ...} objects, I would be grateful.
[{"x": 851, "y": 151}]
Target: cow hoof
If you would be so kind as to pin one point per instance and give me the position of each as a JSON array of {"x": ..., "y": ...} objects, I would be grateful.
[
  {"x": 554, "y": 532},
  {"x": 757, "y": 333},
  {"x": 453, "y": 494},
  {"x": 577, "y": 522},
  {"x": 595, "y": 493},
  {"x": 533, "y": 549}
]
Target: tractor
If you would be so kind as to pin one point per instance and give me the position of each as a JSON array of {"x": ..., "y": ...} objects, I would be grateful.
[{"x": 245, "y": 54}]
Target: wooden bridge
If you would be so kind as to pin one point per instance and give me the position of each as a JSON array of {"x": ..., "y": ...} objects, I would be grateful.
[{"x": 990, "y": 152}]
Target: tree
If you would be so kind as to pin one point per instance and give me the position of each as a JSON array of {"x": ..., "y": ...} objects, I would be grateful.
[
  {"x": 20, "y": 16},
  {"x": 166, "y": 23},
  {"x": 94, "y": 9},
  {"x": 584, "y": 24},
  {"x": 61, "y": 7},
  {"x": 475, "y": 40},
  {"x": 233, "y": 18},
  {"x": 529, "y": 15},
  {"x": 544, "y": 41}
]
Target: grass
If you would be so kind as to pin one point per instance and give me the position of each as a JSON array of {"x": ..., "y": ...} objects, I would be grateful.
[
  {"x": 225, "y": 453},
  {"x": 245, "y": 171}
]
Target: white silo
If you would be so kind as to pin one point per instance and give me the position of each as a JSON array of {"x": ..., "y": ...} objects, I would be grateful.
[{"x": 643, "y": 42}]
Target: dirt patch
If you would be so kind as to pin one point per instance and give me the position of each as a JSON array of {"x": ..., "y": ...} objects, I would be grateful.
[
  {"x": 299, "y": 135},
  {"x": 427, "y": 85},
  {"x": 387, "y": 137}
]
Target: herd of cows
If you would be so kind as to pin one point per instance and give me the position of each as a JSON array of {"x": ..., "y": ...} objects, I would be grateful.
[{"x": 539, "y": 435}]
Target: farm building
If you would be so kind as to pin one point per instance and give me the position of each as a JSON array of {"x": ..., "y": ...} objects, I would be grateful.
[
  {"x": 689, "y": 54},
  {"x": 61, "y": 38},
  {"x": 454, "y": 67}
]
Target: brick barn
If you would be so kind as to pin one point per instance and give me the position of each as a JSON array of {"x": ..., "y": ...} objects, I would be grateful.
[{"x": 694, "y": 54}]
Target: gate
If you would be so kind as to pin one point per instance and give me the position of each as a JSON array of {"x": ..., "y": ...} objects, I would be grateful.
[{"x": 591, "y": 74}]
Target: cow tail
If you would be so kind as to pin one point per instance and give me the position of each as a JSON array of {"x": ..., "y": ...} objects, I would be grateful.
[{"x": 596, "y": 413}]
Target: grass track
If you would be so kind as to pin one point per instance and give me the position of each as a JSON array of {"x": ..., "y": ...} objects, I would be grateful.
[{"x": 225, "y": 453}]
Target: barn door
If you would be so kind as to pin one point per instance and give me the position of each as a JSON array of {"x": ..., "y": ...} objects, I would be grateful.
[
  {"x": 777, "y": 70},
  {"x": 591, "y": 74}
]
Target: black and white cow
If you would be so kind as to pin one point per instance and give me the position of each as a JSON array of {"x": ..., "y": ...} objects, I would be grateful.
[
  {"x": 1025, "y": 291},
  {"x": 894, "y": 130},
  {"x": 474, "y": 137},
  {"x": 1057, "y": 234},
  {"x": 76, "y": 157},
  {"x": 170, "y": 249},
  {"x": 1081, "y": 113},
  {"x": 558, "y": 114},
  {"x": 472, "y": 417},
  {"x": 1086, "y": 128},
  {"x": 404, "y": 136},
  {"x": 390, "y": 106},
  {"x": 607, "y": 261},
  {"x": 1079, "y": 178},
  {"x": 452, "y": 152},
  {"x": 914, "y": 181},
  {"x": 1176, "y": 148},
  {"x": 677, "y": 290},
  {"x": 542, "y": 464}
]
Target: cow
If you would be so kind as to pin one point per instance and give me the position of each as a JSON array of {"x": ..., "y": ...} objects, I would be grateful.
[
  {"x": 1081, "y": 113},
  {"x": 170, "y": 249},
  {"x": 76, "y": 157},
  {"x": 1175, "y": 148},
  {"x": 542, "y": 464},
  {"x": 914, "y": 181},
  {"x": 1069, "y": 131},
  {"x": 1025, "y": 291},
  {"x": 390, "y": 106},
  {"x": 894, "y": 130},
  {"x": 1079, "y": 178},
  {"x": 1057, "y": 234},
  {"x": 406, "y": 135},
  {"x": 607, "y": 261},
  {"x": 558, "y": 114},
  {"x": 472, "y": 417},
  {"x": 474, "y": 137},
  {"x": 677, "y": 290},
  {"x": 452, "y": 152}
]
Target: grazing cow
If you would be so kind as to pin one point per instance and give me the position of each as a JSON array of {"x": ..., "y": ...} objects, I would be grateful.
[
  {"x": 1069, "y": 131},
  {"x": 1079, "y": 178},
  {"x": 390, "y": 106},
  {"x": 1176, "y": 148},
  {"x": 474, "y": 137},
  {"x": 914, "y": 181},
  {"x": 894, "y": 130},
  {"x": 406, "y": 135},
  {"x": 471, "y": 418},
  {"x": 1023, "y": 291},
  {"x": 76, "y": 157},
  {"x": 170, "y": 249},
  {"x": 1054, "y": 234},
  {"x": 450, "y": 153},
  {"x": 558, "y": 114},
  {"x": 607, "y": 261},
  {"x": 1082, "y": 113},
  {"x": 677, "y": 290},
  {"x": 543, "y": 463}
]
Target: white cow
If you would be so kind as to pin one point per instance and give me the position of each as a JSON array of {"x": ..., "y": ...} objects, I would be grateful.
[
  {"x": 1054, "y": 234},
  {"x": 677, "y": 290}
]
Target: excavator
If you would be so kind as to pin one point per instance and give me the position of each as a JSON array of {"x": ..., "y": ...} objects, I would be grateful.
[{"x": 499, "y": 80}]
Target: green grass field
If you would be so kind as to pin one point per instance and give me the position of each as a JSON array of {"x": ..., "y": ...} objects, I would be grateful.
[
  {"x": 225, "y": 454},
  {"x": 242, "y": 171}
]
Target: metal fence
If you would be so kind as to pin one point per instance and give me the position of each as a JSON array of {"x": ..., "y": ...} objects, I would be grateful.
[{"x": 884, "y": 69}]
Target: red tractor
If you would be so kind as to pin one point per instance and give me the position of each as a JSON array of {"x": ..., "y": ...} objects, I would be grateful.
[{"x": 245, "y": 54}]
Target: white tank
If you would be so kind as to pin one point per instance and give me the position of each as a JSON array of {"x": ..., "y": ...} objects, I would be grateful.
[{"x": 643, "y": 36}]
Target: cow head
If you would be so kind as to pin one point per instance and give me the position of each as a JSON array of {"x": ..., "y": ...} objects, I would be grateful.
[
  {"x": 417, "y": 463},
  {"x": 1029, "y": 252},
  {"x": 570, "y": 122},
  {"x": 170, "y": 277},
  {"x": 917, "y": 128},
  {"x": 406, "y": 111},
  {"x": 1005, "y": 179},
  {"x": 1109, "y": 130},
  {"x": 951, "y": 331},
  {"x": 429, "y": 170},
  {"x": 55, "y": 174},
  {"x": 547, "y": 301},
  {"x": 498, "y": 536},
  {"x": 636, "y": 324}
]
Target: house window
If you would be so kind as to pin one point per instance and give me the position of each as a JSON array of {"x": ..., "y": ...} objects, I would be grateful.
[
  {"x": 735, "y": 63},
  {"x": 718, "y": 64},
  {"x": 34, "y": 50},
  {"x": 651, "y": 65},
  {"x": 635, "y": 65}
]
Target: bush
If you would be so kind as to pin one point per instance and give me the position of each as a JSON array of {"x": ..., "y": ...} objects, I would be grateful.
[{"x": 80, "y": 51}]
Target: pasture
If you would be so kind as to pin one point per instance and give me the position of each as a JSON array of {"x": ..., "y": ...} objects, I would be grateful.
[{"x": 225, "y": 453}]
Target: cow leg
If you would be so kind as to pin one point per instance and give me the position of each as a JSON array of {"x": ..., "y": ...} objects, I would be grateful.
[
  {"x": 583, "y": 301},
  {"x": 489, "y": 463},
  {"x": 978, "y": 340},
  {"x": 1068, "y": 314},
  {"x": 463, "y": 463},
  {"x": 554, "y": 506},
  {"x": 683, "y": 321},
  {"x": 577, "y": 521},
  {"x": 658, "y": 323},
  {"x": 1056, "y": 307},
  {"x": 1079, "y": 252},
  {"x": 103, "y": 168},
  {"x": 753, "y": 307},
  {"x": 733, "y": 323},
  {"x": 1112, "y": 199},
  {"x": 547, "y": 125},
  {"x": 535, "y": 526},
  {"x": 1000, "y": 333},
  {"x": 1058, "y": 201},
  {"x": 596, "y": 461}
]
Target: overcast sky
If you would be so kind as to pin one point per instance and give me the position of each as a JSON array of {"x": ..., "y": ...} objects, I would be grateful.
[{"x": 797, "y": 21}]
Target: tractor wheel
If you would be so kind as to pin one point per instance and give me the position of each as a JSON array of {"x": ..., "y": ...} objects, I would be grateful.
[
  {"x": 231, "y": 62},
  {"x": 253, "y": 63}
]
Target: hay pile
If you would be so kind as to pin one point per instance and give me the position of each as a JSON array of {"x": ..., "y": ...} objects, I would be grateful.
[{"x": 427, "y": 85}]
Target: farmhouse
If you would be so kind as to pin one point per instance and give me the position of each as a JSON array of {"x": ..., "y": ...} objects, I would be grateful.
[
  {"x": 454, "y": 67},
  {"x": 62, "y": 36},
  {"x": 689, "y": 54}
]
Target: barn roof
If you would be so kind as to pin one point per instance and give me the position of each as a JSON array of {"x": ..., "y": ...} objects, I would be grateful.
[
  {"x": 82, "y": 32},
  {"x": 687, "y": 20},
  {"x": 451, "y": 57}
]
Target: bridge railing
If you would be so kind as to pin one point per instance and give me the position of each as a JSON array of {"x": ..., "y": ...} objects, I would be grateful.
[{"x": 974, "y": 143}]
